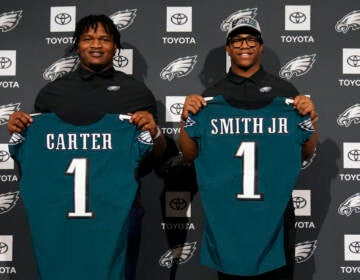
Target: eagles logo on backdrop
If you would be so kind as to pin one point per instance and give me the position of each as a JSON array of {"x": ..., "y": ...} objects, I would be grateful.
[
  {"x": 179, "y": 254},
  {"x": 6, "y": 110},
  {"x": 61, "y": 67},
  {"x": 350, "y": 116},
  {"x": 9, "y": 20},
  {"x": 349, "y": 22},
  {"x": 304, "y": 251},
  {"x": 350, "y": 205},
  {"x": 123, "y": 19},
  {"x": 298, "y": 66},
  {"x": 8, "y": 201},
  {"x": 178, "y": 68}
]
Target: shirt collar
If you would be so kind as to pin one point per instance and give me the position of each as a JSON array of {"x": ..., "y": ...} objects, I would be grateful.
[
  {"x": 86, "y": 74},
  {"x": 256, "y": 78}
]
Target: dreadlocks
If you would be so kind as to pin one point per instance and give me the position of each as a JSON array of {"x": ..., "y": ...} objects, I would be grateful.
[{"x": 92, "y": 21}]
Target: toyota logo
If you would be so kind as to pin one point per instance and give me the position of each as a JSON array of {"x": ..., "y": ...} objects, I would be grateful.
[
  {"x": 353, "y": 60},
  {"x": 299, "y": 202},
  {"x": 120, "y": 61},
  {"x": 354, "y": 247},
  {"x": 4, "y": 156},
  {"x": 3, "y": 248},
  {"x": 354, "y": 155},
  {"x": 179, "y": 19},
  {"x": 176, "y": 108},
  {"x": 5, "y": 62},
  {"x": 62, "y": 18},
  {"x": 297, "y": 17},
  {"x": 178, "y": 204}
]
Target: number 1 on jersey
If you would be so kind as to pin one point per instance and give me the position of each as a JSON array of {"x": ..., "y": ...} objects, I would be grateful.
[
  {"x": 79, "y": 168},
  {"x": 247, "y": 151}
]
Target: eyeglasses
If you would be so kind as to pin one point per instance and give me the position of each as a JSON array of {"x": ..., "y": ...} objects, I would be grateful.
[{"x": 238, "y": 41}]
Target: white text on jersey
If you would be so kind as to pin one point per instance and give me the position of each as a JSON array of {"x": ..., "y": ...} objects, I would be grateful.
[
  {"x": 248, "y": 126},
  {"x": 78, "y": 141}
]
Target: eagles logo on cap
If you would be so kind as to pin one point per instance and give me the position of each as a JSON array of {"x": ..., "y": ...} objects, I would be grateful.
[{"x": 242, "y": 22}]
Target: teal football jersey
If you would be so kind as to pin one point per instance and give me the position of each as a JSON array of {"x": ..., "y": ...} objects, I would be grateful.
[
  {"x": 247, "y": 166},
  {"x": 77, "y": 185}
]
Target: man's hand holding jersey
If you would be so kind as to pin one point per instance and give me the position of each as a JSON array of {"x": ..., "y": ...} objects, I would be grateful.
[
  {"x": 193, "y": 104},
  {"x": 145, "y": 121},
  {"x": 304, "y": 105},
  {"x": 18, "y": 121}
]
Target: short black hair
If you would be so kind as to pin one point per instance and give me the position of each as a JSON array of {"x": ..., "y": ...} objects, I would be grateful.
[{"x": 92, "y": 21}]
